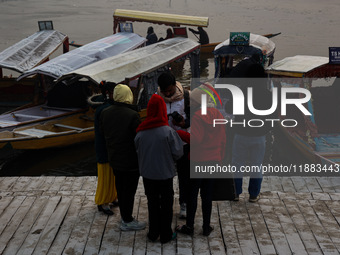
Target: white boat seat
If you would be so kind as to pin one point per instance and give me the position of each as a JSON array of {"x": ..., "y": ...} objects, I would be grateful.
[
  {"x": 34, "y": 132},
  {"x": 27, "y": 116},
  {"x": 69, "y": 127},
  {"x": 8, "y": 123}
]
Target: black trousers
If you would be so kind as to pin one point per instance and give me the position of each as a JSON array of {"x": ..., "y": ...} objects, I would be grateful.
[
  {"x": 126, "y": 185},
  {"x": 206, "y": 187},
  {"x": 183, "y": 173},
  {"x": 160, "y": 195}
]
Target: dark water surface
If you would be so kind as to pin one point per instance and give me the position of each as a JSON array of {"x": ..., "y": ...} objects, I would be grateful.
[{"x": 78, "y": 160}]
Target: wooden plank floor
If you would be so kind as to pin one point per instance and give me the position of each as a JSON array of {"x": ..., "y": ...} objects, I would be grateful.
[{"x": 57, "y": 215}]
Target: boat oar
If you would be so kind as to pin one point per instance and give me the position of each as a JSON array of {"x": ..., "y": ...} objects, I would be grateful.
[
  {"x": 194, "y": 34},
  {"x": 271, "y": 35},
  {"x": 75, "y": 44}
]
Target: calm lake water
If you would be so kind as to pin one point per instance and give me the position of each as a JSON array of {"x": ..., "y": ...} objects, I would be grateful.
[{"x": 308, "y": 27}]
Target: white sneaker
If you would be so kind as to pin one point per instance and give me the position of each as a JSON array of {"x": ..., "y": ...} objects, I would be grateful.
[
  {"x": 133, "y": 225},
  {"x": 183, "y": 211}
]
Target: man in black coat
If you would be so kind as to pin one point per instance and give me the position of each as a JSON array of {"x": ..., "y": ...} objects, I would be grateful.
[{"x": 204, "y": 38}]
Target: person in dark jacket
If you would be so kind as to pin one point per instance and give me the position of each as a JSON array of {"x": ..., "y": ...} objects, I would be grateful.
[
  {"x": 118, "y": 124},
  {"x": 204, "y": 38},
  {"x": 248, "y": 67},
  {"x": 249, "y": 142},
  {"x": 169, "y": 34},
  {"x": 151, "y": 37},
  {"x": 106, "y": 190}
]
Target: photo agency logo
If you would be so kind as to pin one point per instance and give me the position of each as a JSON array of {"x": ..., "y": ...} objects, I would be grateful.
[
  {"x": 204, "y": 100},
  {"x": 240, "y": 101}
]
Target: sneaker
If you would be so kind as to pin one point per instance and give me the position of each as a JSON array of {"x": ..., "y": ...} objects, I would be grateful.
[
  {"x": 254, "y": 199},
  {"x": 133, "y": 225},
  {"x": 207, "y": 231},
  {"x": 237, "y": 197},
  {"x": 185, "y": 230},
  {"x": 183, "y": 211}
]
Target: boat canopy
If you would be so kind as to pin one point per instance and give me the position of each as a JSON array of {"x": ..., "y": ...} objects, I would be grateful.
[
  {"x": 31, "y": 51},
  {"x": 175, "y": 20},
  {"x": 88, "y": 54},
  {"x": 258, "y": 44},
  {"x": 303, "y": 66},
  {"x": 131, "y": 65}
]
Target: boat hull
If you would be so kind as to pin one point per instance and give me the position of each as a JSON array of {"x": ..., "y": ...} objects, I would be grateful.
[
  {"x": 312, "y": 156},
  {"x": 59, "y": 140},
  {"x": 208, "y": 48},
  {"x": 61, "y": 132}
]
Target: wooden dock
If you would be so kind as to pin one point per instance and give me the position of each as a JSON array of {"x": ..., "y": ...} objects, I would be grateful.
[{"x": 57, "y": 215}]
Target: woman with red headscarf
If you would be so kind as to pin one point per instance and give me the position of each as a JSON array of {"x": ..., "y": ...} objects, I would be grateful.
[{"x": 158, "y": 147}]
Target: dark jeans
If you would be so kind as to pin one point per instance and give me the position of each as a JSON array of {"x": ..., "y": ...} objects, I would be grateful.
[
  {"x": 183, "y": 173},
  {"x": 206, "y": 187},
  {"x": 126, "y": 185},
  {"x": 251, "y": 150},
  {"x": 160, "y": 195}
]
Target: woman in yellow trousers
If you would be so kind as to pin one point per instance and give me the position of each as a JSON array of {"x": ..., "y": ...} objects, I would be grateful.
[{"x": 106, "y": 189}]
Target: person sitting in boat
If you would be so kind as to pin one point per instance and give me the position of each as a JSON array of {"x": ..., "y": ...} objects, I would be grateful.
[
  {"x": 169, "y": 34},
  {"x": 241, "y": 69},
  {"x": 151, "y": 37},
  {"x": 204, "y": 38}
]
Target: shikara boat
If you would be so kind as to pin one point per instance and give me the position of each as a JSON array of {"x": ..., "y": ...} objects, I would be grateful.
[
  {"x": 121, "y": 16},
  {"x": 70, "y": 99},
  {"x": 139, "y": 69},
  {"x": 75, "y": 128},
  {"x": 228, "y": 55},
  {"x": 87, "y": 54},
  {"x": 122, "y": 21},
  {"x": 23, "y": 56},
  {"x": 316, "y": 136},
  {"x": 210, "y": 47}
]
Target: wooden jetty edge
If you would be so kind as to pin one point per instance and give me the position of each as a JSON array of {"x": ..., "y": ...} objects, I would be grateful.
[{"x": 57, "y": 215}]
